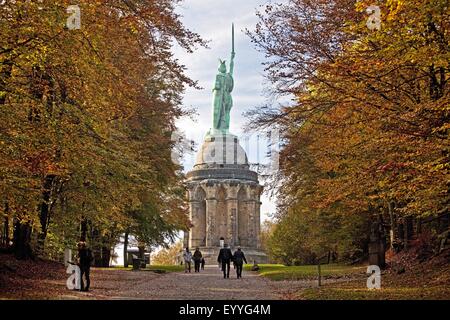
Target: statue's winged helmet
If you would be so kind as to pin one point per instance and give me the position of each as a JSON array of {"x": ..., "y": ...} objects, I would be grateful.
[{"x": 222, "y": 66}]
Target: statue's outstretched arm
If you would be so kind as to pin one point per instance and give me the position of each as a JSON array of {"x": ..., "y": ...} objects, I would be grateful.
[
  {"x": 232, "y": 50},
  {"x": 232, "y": 63}
]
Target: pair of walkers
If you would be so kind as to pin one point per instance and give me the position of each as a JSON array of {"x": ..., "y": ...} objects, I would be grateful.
[
  {"x": 196, "y": 257},
  {"x": 226, "y": 257}
]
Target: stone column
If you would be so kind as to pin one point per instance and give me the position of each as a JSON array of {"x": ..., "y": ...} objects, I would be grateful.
[
  {"x": 232, "y": 213},
  {"x": 257, "y": 224},
  {"x": 251, "y": 207},
  {"x": 232, "y": 223},
  {"x": 195, "y": 235},
  {"x": 211, "y": 205},
  {"x": 257, "y": 217},
  {"x": 186, "y": 237},
  {"x": 211, "y": 208}
]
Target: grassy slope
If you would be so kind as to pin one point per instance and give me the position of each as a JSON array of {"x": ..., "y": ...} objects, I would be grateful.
[
  {"x": 427, "y": 280},
  {"x": 390, "y": 290},
  {"x": 31, "y": 279},
  {"x": 279, "y": 272},
  {"x": 43, "y": 279},
  {"x": 419, "y": 281}
]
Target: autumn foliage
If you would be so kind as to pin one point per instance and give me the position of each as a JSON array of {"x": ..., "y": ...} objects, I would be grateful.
[
  {"x": 86, "y": 117},
  {"x": 366, "y": 134}
]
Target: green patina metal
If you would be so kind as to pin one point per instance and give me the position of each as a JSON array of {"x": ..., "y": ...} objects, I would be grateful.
[{"x": 223, "y": 87}]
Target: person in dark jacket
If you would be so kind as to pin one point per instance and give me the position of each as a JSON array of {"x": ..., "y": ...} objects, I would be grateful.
[
  {"x": 197, "y": 257},
  {"x": 203, "y": 263},
  {"x": 85, "y": 259},
  {"x": 225, "y": 257},
  {"x": 238, "y": 260}
]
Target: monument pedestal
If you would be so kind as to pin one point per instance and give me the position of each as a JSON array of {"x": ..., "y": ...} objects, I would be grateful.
[
  {"x": 252, "y": 255},
  {"x": 224, "y": 200}
]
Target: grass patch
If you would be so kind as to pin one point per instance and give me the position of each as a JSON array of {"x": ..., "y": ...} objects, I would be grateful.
[
  {"x": 279, "y": 272},
  {"x": 356, "y": 290},
  {"x": 113, "y": 268},
  {"x": 428, "y": 280}
]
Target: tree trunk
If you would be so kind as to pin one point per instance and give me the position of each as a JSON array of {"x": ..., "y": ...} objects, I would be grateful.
[
  {"x": 125, "y": 250},
  {"x": 419, "y": 226},
  {"x": 141, "y": 249},
  {"x": 392, "y": 223},
  {"x": 44, "y": 213},
  {"x": 5, "y": 74},
  {"x": 377, "y": 244},
  {"x": 5, "y": 240},
  {"x": 83, "y": 229},
  {"x": 410, "y": 227},
  {"x": 95, "y": 245},
  {"x": 106, "y": 256},
  {"x": 405, "y": 233},
  {"x": 5, "y": 236},
  {"x": 22, "y": 238}
]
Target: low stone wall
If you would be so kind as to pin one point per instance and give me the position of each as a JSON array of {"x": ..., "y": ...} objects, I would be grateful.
[{"x": 251, "y": 254}]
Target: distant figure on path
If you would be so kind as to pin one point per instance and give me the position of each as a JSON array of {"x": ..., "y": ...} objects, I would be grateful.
[
  {"x": 203, "y": 263},
  {"x": 85, "y": 259},
  {"x": 224, "y": 258},
  {"x": 187, "y": 257},
  {"x": 197, "y": 259},
  {"x": 239, "y": 259}
]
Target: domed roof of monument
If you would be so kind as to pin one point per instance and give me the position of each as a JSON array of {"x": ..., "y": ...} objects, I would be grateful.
[
  {"x": 221, "y": 157},
  {"x": 221, "y": 149}
]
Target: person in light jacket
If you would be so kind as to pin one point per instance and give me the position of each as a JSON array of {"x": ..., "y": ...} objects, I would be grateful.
[{"x": 187, "y": 257}]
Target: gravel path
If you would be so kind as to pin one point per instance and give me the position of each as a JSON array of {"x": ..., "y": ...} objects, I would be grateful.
[
  {"x": 206, "y": 285},
  {"x": 210, "y": 284}
]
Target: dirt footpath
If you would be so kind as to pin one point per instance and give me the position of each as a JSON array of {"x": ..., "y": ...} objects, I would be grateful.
[
  {"x": 47, "y": 280},
  {"x": 206, "y": 285}
]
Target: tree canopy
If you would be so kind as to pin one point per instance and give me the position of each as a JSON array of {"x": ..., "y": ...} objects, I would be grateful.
[
  {"x": 367, "y": 129},
  {"x": 86, "y": 117}
]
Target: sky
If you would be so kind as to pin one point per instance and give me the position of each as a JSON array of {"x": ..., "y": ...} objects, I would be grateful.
[{"x": 212, "y": 21}]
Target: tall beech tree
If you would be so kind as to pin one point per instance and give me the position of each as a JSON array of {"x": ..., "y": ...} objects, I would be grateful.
[
  {"x": 367, "y": 132},
  {"x": 71, "y": 152}
]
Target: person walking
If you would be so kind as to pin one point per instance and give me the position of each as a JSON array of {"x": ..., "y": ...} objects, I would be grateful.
[
  {"x": 238, "y": 260},
  {"x": 197, "y": 259},
  {"x": 85, "y": 259},
  {"x": 203, "y": 263},
  {"x": 187, "y": 257},
  {"x": 224, "y": 258}
]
